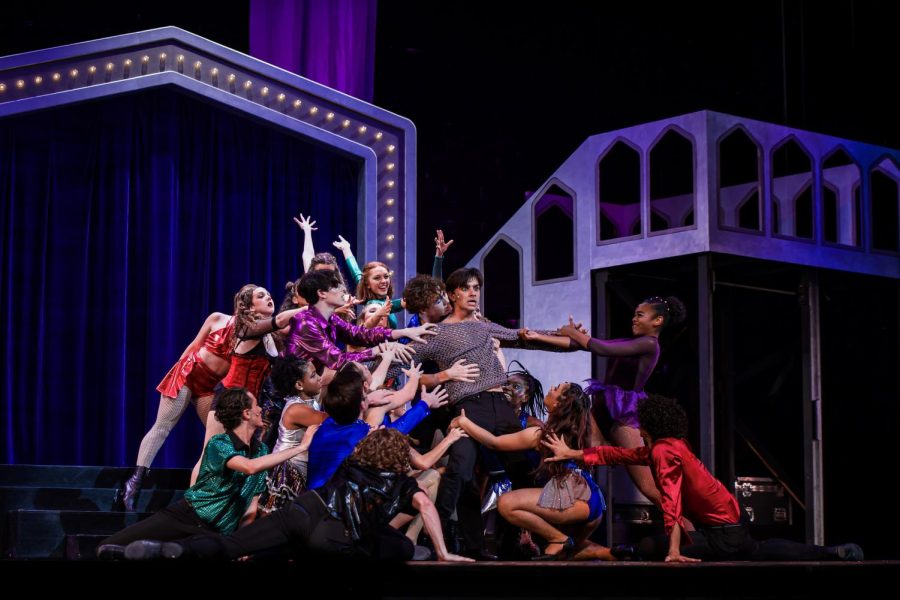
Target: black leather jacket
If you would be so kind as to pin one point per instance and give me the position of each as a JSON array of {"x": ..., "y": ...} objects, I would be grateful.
[{"x": 366, "y": 499}]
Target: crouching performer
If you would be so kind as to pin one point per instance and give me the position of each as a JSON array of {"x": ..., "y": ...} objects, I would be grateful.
[
  {"x": 355, "y": 514},
  {"x": 232, "y": 475}
]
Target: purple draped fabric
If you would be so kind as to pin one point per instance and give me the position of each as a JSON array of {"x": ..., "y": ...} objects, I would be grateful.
[{"x": 329, "y": 41}]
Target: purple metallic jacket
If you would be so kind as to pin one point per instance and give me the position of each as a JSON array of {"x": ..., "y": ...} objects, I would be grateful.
[{"x": 315, "y": 338}]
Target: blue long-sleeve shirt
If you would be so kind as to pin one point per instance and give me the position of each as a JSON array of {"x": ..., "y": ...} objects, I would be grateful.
[{"x": 333, "y": 442}]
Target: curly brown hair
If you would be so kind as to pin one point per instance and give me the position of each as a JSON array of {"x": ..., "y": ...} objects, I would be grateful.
[
  {"x": 244, "y": 315},
  {"x": 571, "y": 422},
  {"x": 421, "y": 292},
  {"x": 362, "y": 289},
  {"x": 385, "y": 450},
  {"x": 231, "y": 405}
]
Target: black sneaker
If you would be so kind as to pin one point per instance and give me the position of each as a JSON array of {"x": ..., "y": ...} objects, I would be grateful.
[
  {"x": 111, "y": 552},
  {"x": 152, "y": 550},
  {"x": 849, "y": 552},
  {"x": 479, "y": 554},
  {"x": 625, "y": 552}
]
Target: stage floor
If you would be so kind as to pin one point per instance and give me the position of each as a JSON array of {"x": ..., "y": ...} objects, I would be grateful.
[{"x": 335, "y": 578}]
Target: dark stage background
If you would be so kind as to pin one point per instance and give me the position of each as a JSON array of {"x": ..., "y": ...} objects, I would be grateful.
[
  {"x": 500, "y": 97},
  {"x": 104, "y": 285}
]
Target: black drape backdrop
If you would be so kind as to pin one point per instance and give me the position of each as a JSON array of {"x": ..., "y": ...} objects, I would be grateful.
[{"x": 125, "y": 223}]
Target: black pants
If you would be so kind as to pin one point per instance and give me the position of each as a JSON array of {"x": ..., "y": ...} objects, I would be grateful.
[
  {"x": 493, "y": 412},
  {"x": 734, "y": 542},
  {"x": 423, "y": 433},
  {"x": 171, "y": 523},
  {"x": 303, "y": 526}
]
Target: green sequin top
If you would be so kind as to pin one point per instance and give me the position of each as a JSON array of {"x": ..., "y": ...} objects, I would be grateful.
[{"x": 221, "y": 496}]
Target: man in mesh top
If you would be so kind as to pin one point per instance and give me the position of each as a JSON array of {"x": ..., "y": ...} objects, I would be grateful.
[{"x": 463, "y": 335}]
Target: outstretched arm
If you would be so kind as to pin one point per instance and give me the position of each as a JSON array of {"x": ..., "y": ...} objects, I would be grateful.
[
  {"x": 458, "y": 371},
  {"x": 527, "y": 439},
  {"x": 427, "y": 460},
  {"x": 560, "y": 341},
  {"x": 626, "y": 347},
  {"x": 251, "y": 466},
  {"x": 598, "y": 455},
  {"x": 389, "y": 352},
  {"x": 516, "y": 338},
  {"x": 440, "y": 247},
  {"x": 375, "y": 415},
  {"x": 352, "y": 266},
  {"x": 308, "y": 226},
  {"x": 261, "y": 327}
]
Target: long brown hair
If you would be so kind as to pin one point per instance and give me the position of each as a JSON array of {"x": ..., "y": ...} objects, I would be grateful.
[
  {"x": 570, "y": 420},
  {"x": 244, "y": 315},
  {"x": 362, "y": 289}
]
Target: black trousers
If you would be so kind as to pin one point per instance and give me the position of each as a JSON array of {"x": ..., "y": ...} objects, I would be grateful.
[
  {"x": 493, "y": 412},
  {"x": 303, "y": 526},
  {"x": 171, "y": 523},
  {"x": 734, "y": 542}
]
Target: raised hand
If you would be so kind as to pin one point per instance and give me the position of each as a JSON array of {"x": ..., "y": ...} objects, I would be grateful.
[
  {"x": 440, "y": 245},
  {"x": 572, "y": 329},
  {"x": 384, "y": 311},
  {"x": 342, "y": 245},
  {"x": 435, "y": 398},
  {"x": 460, "y": 371},
  {"x": 414, "y": 370},
  {"x": 347, "y": 311},
  {"x": 306, "y": 223},
  {"x": 385, "y": 350}
]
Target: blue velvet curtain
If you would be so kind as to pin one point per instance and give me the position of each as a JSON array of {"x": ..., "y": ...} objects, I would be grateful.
[{"x": 124, "y": 224}]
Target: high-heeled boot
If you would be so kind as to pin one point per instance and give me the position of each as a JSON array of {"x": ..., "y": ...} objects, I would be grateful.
[{"x": 126, "y": 498}]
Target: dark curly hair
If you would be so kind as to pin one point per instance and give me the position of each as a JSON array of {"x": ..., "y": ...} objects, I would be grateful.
[
  {"x": 231, "y": 405},
  {"x": 570, "y": 420},
  {"x": 421, "y": 292},
  {"x": 670, "y": 308},
  {"x": 286, "y": 372},
  {"x": 662, "y": 417},
  {"x": 385, "y": 450}
]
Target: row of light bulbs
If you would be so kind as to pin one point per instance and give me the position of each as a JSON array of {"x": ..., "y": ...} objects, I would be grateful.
[{"x": 231, "y": 79}]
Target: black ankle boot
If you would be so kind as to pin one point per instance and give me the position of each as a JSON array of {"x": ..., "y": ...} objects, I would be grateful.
[{"x": 126, "y": 498}]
